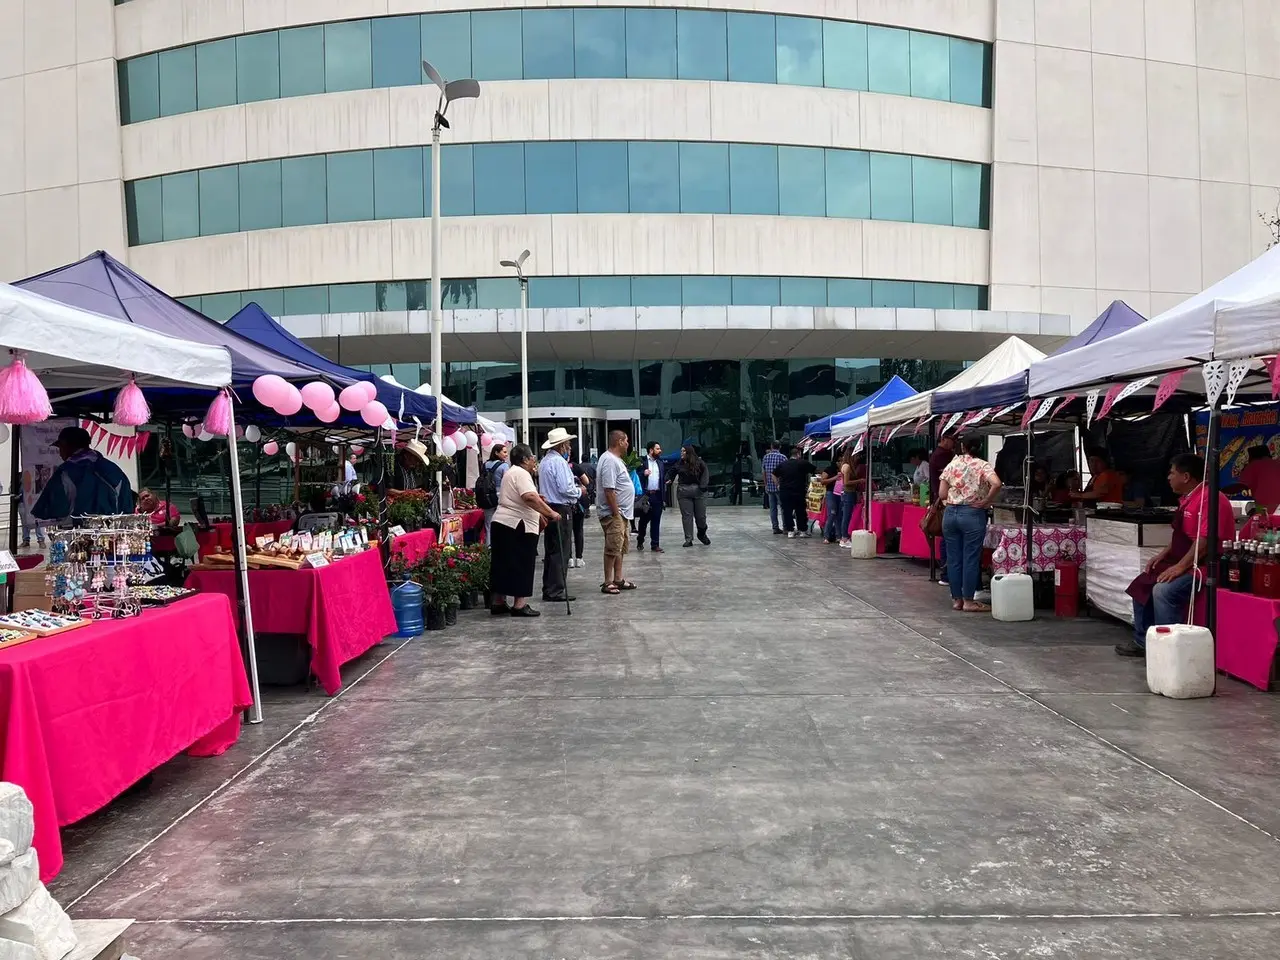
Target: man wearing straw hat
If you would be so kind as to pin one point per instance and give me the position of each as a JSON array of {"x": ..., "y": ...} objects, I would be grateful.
[{"x": 561, "y": 491}]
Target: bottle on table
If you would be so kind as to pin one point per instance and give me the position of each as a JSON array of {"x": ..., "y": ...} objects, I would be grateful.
[
  {"x": 1245, "y": 561},
  {"x": 1264, "y": 572},
  {"x": 1231, "y": 564}
]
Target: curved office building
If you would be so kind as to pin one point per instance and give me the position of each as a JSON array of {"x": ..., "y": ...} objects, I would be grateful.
[{"x": 743, "y": 214}]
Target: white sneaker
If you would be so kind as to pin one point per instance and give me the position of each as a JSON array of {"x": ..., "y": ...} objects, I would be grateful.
[
  {"x": 844, "y": 544},
  {"x": 792, "y": 535},
  {"x": 807, "y": 535}
]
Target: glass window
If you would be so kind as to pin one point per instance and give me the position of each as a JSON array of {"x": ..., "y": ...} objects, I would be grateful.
[
  {"x": 301, "y": 61},
  {"x": 889, "y": 60},
  {"x": 260, "y": 207},
  {"x": 272, "y": 301},
  {"x": 702, "y": 46},
  {"x": 849, "y": 293},
  {"x": 177, "y": 81},
  {"x": 397, "y": 52},
  {"x": 353, "y": 297},
  {"x": 350, "y": 186},
  {"x": 969, "y": 297},
  {"x": 849, "y": 184},
  {"x": 931, "y": 190},
  {"x": 753, "y": 178},
  {"x": 800, "y": 51},
  {"x": 804, "y": 292},
  {"x": 300, "y": 301},
  {"x": 608, "y": 291},
  {"x": 656, "y": 291},
  {"x": 844, "y": 55},
  {"x": 216, "y": 73},
  {"x": 219, "y": 200},
  {"x": 756, "y": 292},
  {"x": 651, "y": 44},
  {"x": 397, "y": 183},
  {"x": 930, "y": 66},
  {"x": 802, "y": 189},
  {"x": 348, "y": 58},
  {"x": 553, "y": 292},
  {"x": 458, "y": 294},
  {"x": 890, "y": 187},
  {"x": 752, "y": 48},
  {"x": 602, "y": 177},
  {"x": 550, "y": 177},
  {"x": 653, "y": 169},
  {"x": 415, "y": 295},
  {"x": 220, "y": 306},
  {"x": 600, "y": 43},
  {"x": 704, "y": 178},
  {"x": 893, "y": 293},
  {"x": 303, "y": 183},
  {"x": 496, "y": 47},
  {"x": 499, "y": 175},
  {"x": 258, "y": 67},
  {"x": 180, "y": 205},
  {"x": 457, "y": 182},
  {"x": 936, "y": 296},
  {"x": 192, "y": 302},
  {"x": 548, "y": 44},
  {"x": 970, "y": 72},
  {"x": 968, "y": 194},
  {"x": 139, "y": 89},
  {"x": 501, "y": 293},
  {"x": 446, "y": 44},
  {"x": 391, "y": 296},
  {"x": 706, "y": 291},
  {"x": 145, "y": 208}
]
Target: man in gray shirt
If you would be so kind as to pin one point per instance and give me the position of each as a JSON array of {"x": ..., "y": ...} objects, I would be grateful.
[{"x": 615, "y": 498}]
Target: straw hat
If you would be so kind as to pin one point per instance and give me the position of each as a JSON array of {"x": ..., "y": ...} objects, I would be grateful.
[
  {"x": 418, "y": 449},
  {"x": 558, "y": 436}
]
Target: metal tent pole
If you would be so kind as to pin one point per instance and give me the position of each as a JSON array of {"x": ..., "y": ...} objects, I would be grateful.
[
  {"x": 244, "y": 607},
  {"x": 1028, "y": 474},
  {"x": 1212, "y": 546},
  {"x": 15, "y": 493}
]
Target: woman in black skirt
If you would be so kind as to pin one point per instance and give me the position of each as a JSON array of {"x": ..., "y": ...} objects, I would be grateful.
[{"x": 517, "y": 521}]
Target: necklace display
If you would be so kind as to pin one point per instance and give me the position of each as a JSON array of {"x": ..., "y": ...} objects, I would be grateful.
[{"x": 93, "y": 566}]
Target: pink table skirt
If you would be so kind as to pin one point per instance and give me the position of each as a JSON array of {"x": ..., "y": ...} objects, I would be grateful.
[
  {"x": 1246, "y": 636},
  {"x": 342, "y": 609},
  {"x": 414, "y": 546},
  {"x": 90, "y": 712},
  {"x": 884, "y": 517},
  {"x": 914, "y": 542},
  {"x": 471, "y": 519},
  {"x": 1009, "y": 547}
]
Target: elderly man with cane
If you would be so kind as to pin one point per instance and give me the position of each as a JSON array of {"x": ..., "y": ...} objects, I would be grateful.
[{"x": 558, "y": 487}]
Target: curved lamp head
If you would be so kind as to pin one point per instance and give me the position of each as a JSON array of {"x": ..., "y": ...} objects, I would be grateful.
[
  {"x": 517, "y": 264},
  {"x": 450, "y": 90}
]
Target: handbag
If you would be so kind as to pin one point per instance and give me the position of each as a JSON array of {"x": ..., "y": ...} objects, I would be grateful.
[
  {"x": 931, "y": 522},
  {"x": 642, "y": 505}
]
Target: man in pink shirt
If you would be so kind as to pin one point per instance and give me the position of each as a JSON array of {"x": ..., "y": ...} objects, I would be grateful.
[{"x": 1262, "y": 477}]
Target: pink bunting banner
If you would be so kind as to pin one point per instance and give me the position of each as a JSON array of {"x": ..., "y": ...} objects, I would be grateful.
[
  {"x": 1063, "y": 405},
  {"x": 1169, "y": 386},
  {"x": 1109, "y": 401}
]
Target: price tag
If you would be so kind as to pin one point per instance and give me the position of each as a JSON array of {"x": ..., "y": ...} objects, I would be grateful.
[
  {"x": 317, "y": 560},
  {"x": 7, "y": 563},
  {"x": 396, "y": 531}
]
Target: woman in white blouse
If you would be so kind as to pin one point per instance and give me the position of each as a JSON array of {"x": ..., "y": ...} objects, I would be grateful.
[{"x": 520, "y": 516}]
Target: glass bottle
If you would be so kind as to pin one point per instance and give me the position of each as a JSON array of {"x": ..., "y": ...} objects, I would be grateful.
[{"x": 1230, "y": 563}]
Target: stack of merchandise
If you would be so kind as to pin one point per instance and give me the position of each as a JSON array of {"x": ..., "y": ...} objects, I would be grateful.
[{"x": 32, "y": 925}]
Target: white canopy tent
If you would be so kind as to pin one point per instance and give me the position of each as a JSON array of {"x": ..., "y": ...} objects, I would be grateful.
[
  {"x": 1011, "y": 357},
  {"x": 1237, "y": 317}
]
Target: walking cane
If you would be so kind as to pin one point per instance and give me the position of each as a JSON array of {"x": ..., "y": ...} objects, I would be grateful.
[{"x": 564, "y": 552}]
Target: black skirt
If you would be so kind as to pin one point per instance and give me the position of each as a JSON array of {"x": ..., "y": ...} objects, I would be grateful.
[{"x": 515, "y": 559}]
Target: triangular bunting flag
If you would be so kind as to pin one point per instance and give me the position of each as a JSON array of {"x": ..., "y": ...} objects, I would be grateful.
[
  {"x": 893, "y": 432},
  {"x": 1134, "y": 387},
  {"x": 1110, "y": 399},
  {"x": 1090, "y": 405},
  {"x": 951, "y": 422},
  {"x": 1236, "y": 371},
  {"x": 1006, "y": 411},
  {"x": 1066, "y": 401},
  {"x": 1215, "y": 378},
  {"x": 1029, "y": 414},
  {"x": 858, "y": 449}
]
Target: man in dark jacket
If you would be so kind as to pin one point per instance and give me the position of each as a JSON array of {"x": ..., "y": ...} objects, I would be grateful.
[
  {"x": 653, "y": 479},
  {"x": 85, "y": 484}
]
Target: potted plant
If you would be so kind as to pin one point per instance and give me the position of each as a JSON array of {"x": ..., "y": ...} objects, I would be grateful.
[
  {"x": 448, "y": 583},
  {"x": 481, "y": 564},
  {"x": 424, "y": 572}
]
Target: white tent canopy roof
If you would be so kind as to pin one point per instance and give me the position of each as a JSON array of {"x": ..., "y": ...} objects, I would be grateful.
[
  {"x": 1011, "y": 357},
  {"x": 73, "y": 349},
  {"x": 1235, "y": 318}
]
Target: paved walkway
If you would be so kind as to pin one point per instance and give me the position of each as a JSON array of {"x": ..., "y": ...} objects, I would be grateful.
[{"x": 767, "y": 751}]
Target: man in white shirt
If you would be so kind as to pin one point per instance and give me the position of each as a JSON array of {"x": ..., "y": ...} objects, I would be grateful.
[
  {"x": 921, "y": 463},
  {"x": 558, "y": 487},
  {"x": 349, "y": 470},
  {"x": 653, "y": 479},
  {"x": 615, "y": 500}
]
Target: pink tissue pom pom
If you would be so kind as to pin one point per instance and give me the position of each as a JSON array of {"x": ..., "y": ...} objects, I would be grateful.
[
  {"x": 22, "y": 396},
  {"x": 217, "y": 420},
  {"x": 131, "y": 406}
]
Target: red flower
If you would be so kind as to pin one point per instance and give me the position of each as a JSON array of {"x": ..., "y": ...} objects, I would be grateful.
[{"x": 452, "y": 563}]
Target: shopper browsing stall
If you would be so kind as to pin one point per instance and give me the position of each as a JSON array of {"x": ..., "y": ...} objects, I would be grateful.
[
  {"x": 968, "y": 486},
  {"x": 516, "y": 522},
  {"x": 792, "y": 476},
  {"x": 85, "y": 484}
]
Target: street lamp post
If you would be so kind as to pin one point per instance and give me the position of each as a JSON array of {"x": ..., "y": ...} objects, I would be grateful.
[
  {"x": 518, "y": 266},
  {"x": 449, "y": 91}
]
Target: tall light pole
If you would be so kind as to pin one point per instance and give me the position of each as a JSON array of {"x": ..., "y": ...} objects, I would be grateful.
[
  {"x": 518, "y": 266},
  {"x": 449, "y": 91}
]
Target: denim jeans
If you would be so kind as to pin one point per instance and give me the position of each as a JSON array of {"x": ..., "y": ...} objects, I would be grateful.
[
  {"x": 847, "y": 501},
  {"x": 831, "y": 529},
  {"x": 1167, "y": 604},
  {"x": 774, "y": 500},
  {"x": 963, "y": 529}
]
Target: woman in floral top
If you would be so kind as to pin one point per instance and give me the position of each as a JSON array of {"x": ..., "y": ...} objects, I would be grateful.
[{"x": 968, "y": 485}]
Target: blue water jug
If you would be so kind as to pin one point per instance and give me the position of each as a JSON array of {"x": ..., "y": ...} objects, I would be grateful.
[{"x": 406, "y": 601}]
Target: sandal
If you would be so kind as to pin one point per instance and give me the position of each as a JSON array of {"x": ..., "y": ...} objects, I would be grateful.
[
  {"x": 610, "y": 588},
  {"x": 972, "y": 606},
  {"x": 957, "y": 605},
  {"x": 624, "y": 584}
]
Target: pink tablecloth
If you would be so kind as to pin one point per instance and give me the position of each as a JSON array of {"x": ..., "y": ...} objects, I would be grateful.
[
  {"x": 414, "y": 546},
  {"x": 884, "y": 517},
  {"x": 342, "y": 609},
  {"x": 90, "y": 712},
  {"x": 471, "y": 519},
  {"x": 1247, "y": 636},
  {"x": 914, "y": 542},
  {"x": 1009, "y": 547}
]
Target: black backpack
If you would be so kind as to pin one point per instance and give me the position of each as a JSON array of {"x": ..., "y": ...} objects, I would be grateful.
[{"x": 487, "y": 488}]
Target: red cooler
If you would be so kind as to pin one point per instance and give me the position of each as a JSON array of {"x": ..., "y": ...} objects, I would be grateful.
[{"x": 1066, "y": 588}]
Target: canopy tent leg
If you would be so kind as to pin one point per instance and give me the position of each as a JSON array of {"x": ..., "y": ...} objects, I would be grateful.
[
  {"x": 1212, "y": 546},
  {"x": 15, "y": 499},
  {"x": 167, "y": 463},
  {"x": 1028, "y": 475},
  {"x": 936, "y": 434},
  {"x": 866, "y": 514},
  {"x": 245, "y": 608}
]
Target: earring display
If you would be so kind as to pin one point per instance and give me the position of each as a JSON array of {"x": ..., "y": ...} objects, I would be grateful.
[{"x": 94, "y": 567}]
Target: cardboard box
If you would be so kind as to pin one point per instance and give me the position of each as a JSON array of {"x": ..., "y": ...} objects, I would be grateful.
[{"x": 29, "y": 591}]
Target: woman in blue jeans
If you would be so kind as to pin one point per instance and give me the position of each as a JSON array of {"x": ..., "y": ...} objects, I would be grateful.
[{"x": 968, "y": 485}]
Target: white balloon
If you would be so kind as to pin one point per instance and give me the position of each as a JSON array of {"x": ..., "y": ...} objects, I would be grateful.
[
  {"x": 448, "y": 447},
  {"x": 472, "y": 439},
  {"x": 252, "y": 434},
  {"x": 204, "y": 435},
  {"x": 291, "y": 449},
  {"x": 188, "y": 431},
  {"x": 4, "y": 432},
  {"x": 424, "y": 389}
]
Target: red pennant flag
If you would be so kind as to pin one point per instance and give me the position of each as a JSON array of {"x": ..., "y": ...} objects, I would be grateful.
[
  {"x": 1063, "y": 405},
  {"x": 1109, "y": 401},
  {"x": 1169, "y": 385},
  {"x": 1030, "y": 412}
]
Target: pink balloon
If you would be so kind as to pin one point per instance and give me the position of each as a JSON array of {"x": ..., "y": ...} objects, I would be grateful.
[
  {"x": 486, "y": 440},
  {"x": 374, "y": 414},
  {"x": 370, "y": 391},
  {"x": 317, "y": 396},
  {"x": 352, "y": 397},
  {"x": 268, "y": 388},
  {"x": 271, "y": 448},
  {"x": 357, "y": 450},
  {"x": 330, "y": 414},
  {"x": 188, "y": 431},
  {"x": 239, "y": 433},
  {"x": 290, "y": 403}
]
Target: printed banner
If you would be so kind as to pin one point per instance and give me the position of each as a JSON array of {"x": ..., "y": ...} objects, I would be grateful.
[{"x": 1238, "y": 430}]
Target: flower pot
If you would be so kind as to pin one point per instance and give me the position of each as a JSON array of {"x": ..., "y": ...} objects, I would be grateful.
[
  {"x": 434, "y": 618},
  {"x": 467, "y": 601},
  {"x": 476, "y": 598},
  {"x": 488, "y": 599},
  {"x": 451, "y": 614}
]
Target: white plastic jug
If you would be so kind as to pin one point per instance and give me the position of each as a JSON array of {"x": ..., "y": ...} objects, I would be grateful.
[
  {"x": 862, "y": 545},
  {"x": 1012, "y": 597},
  {"x": 1180, "y": 661}
]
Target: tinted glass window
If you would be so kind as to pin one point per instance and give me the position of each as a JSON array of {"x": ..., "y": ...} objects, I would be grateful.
[
  {"x": 800, "y": 51},
  {"x": 548, "y": 44},
  {"x": 353, "y": 297},
  {"x": 397, "y": 52},
  {"x": 219, "y": 200},
  {"x": 930, "y": 66},
  {"x": 656, "y": 291},
  {"x": 258, "y": 67},
  {"x": 348, "y": 61},
  {"x": 299, "y": 301},
  {"x": 216, "y": 74},
  {"x": 272, "y": 301},
  {"x": 177, "y": 81},
  {"x": 553, "y": 292},
  {"x": 180, "y": 195},
  {"x": 753, "y": 178},
  {"x": 220, "y": 306},
  {"x": 844, "y": 55},
  {"x": 457, "y": 186},
  {"x": 931, "y": 190},
  {"x": 968, "y": 194},
  {"x": 446, "y": 44},
  {"x": 602, "y": 177},
  {"x": 892, "y": 293},
  {"x": 706, "y": 291},
  {"x": 139, "y": 89},
  {"x": 458, "y": 294},
  {"x": 651, "y": 44},
  {"x": 260, "y": 205},
  {"x": 804, "y": 291},
  {"x": 301, "y": 61},
  {"x": 398, "y": 183},
  {"x": 550, "y": 176},
  {"x": 802, "y": 189},
  {"x": 145, "y": 209},
  {"x": 606, "y": 291},
  {"x": 756, "y": 291},
  {"x": 501, "y": 293},
  {"x": 935, "y": 296},
  {"x": 350, "y": 186},
  {"x": 849, "y": 293},
  {"x": 890, "y": 187},
  {"x": 303, "y": 187},
  {"x": 600, "y": 43},
  {"x": 889, "y": 60},
  {"x": 496, "y": 47},
  {"x": 499, "y": 169},
  {"x": 654, "y": 174},
  {"x": 969, "y": 297},
  {"x": 752, "y": 48},
  {"x": 415, "y": 294},
  {"x": 849, "y": 184},
  {"x": 704, "y": 178},
  {"x": 969, "y": 72},
  {"x": 702, "y": 48},
  {"x": 391, "y": 296}
]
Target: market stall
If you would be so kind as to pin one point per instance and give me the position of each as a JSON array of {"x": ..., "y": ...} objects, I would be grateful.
[
  {"x": 886, "y": 516},
  {"x": 1120, "y": 546}
]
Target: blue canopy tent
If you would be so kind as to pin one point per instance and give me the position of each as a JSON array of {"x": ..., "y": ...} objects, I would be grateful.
[
  {"x": 1115, "y": 319},
  {"x": 893, "y": 391},
  {"x": 257, "y": 325}
]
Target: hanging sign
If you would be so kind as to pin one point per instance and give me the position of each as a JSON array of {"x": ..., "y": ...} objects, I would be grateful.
[{"x": 1238, "y": 431}]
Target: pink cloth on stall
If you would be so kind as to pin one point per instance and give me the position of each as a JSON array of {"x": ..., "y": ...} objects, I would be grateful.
[
  {"x": 342, "y": 609},
  {"x": 90, "y": 712},
  {"x": 914, "y": 542},
  {"x": 884, "y": 517},
  {"x": 472, "y": 519},
  {"x": 1246, "y": 636},
  {"x": 414, "y": 546},
  {"x": 1009, "y": 547}
]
